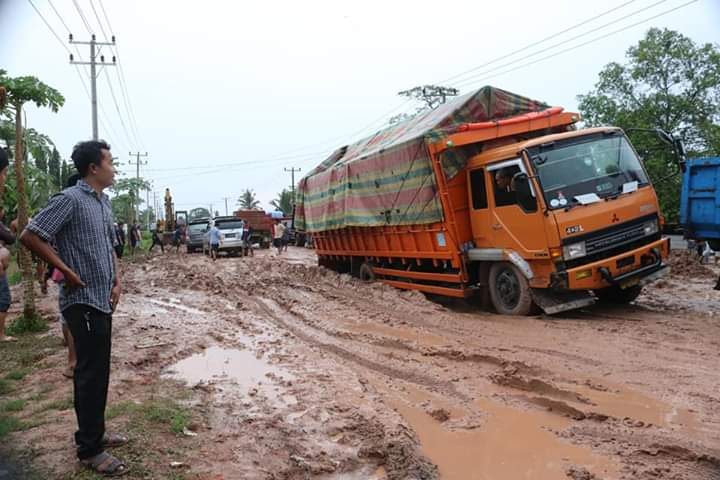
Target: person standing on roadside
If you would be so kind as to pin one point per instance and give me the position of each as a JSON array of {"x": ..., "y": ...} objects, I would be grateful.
[
  {"x": 7, "y": 238},
  {"x": 120, "y": 235},
  {"x": 215, "y": 241},
  {"x": 134, "y": 235},
  {"x": 247, "y": 242},
  {"x": 156, "y": 240},
  {"x": 177, "y": 238},
  {"x": 80, "y": 220},
  {"x": 278, "y": 233}
]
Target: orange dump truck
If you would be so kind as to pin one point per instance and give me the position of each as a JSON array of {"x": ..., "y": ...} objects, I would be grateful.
[{"x": 491, "y": 192}]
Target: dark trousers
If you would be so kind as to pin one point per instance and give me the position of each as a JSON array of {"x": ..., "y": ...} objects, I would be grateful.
[
  {"x": 156, "y": 242},
  {"x": 91, "y": 330},
  {"x": 119, "y": 250}
]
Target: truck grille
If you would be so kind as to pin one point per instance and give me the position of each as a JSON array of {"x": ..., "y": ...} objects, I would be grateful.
[{"x": 612, "y": 241}]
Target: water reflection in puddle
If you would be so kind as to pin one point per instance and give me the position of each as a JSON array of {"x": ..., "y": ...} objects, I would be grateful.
[{"x": 234, "y": 370}]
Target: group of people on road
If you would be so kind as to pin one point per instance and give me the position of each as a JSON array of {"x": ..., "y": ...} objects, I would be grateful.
[{"x": 133, "y": 234}]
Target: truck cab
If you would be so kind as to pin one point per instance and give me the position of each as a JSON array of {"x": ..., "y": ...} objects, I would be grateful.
[{"x": 559, "y": 216}]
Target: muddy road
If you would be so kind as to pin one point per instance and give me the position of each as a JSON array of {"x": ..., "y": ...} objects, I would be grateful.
[{"x": 297, "y": 372}]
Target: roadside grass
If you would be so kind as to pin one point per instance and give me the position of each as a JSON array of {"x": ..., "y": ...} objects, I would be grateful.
[
  {"x": 155, "y": 427},
  {"x": 14, "y": 277},
  {"x": 15, "y": 405},
  {"x": 22, "y": 324},
  {"x": 60, "y": 405},
  {"x": 155, "y": 423},
  {"x": 19, "y": 359}
]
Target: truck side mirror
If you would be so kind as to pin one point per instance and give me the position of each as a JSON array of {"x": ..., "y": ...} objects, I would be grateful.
[{"x": 521, "y": 184}]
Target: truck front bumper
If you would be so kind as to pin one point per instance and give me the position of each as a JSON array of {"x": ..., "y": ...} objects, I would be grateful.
[{"x": 635, "y": 267}]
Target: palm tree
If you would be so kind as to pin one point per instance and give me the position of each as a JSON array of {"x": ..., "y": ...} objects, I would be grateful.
[
  {"x": 284, "y": 201},
  {"x": 21, "y": 90},
  {"x": 247, "y": 200}
]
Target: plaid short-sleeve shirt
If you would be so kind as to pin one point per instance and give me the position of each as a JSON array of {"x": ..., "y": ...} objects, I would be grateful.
[{"x": 81, "y": 223}]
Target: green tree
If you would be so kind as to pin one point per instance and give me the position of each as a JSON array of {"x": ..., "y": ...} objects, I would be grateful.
[
  {"x": 284, "y": 201},
  {"x": 55, "y": 168},
  {"x": 668, "y": 82},
  {"x": 127, "y": 199},
  {"x": 65, "y": 172},
  {"x": 22, "y": 90},
  {"x": 247, "y": 200}
]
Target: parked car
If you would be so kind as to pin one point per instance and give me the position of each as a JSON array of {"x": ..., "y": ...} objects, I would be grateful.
[
  {"x": 195, "y": 233},
  {"x": 231, "y": 230}
]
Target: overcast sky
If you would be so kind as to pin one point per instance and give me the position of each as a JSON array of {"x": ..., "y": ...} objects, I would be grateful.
[{"x": 274, "y": 85}]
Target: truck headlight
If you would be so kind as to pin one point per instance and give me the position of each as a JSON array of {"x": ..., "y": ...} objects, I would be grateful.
[
  {"x": 574, "y": 250},
  {"x": 650, "y": 227}
]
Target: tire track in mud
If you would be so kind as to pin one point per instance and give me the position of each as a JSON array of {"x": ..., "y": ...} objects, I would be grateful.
[
  {"x": 272, "y": 298},
  {"x": 265, "y": 304}
]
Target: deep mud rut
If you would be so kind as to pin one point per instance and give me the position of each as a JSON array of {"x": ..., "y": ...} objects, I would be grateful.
[{"x": 304, "y": 373}]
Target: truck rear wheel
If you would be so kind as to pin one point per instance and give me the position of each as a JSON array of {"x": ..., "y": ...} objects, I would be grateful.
[
  {"x": 714, "y": 245},
  {"x": 618, "y": 296},
  {"x": 509, "y": 290}
]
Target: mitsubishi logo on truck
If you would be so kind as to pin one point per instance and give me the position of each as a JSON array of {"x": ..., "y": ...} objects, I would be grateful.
[{"x": 615, "y": 218}]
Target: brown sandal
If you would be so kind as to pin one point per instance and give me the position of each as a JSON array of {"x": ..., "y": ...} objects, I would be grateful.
[{"x": 107, "y": 465}]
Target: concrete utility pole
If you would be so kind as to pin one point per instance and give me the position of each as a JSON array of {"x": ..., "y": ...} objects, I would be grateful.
[
  {"x": 93, "y": 73},
  {"x": 226, "y": 205},
  {"x": 292, "y": 186},
  {"x": 135, "y": 193}
]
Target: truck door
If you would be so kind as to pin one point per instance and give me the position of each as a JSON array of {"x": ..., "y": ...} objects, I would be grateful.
[
  {"x": 479, "y": 211},
  {"x": 514, "y": 227}
]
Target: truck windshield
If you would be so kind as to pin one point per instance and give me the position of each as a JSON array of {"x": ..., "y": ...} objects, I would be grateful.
[{"x": 585, "y": 170}]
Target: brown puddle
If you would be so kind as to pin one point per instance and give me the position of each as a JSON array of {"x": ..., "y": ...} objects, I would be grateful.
[
  {"x": 237, "y": 370},
  {"x": 510, "y": 444},
  {"x": 620, "y": 402},
  {"x": 414, "y": 335}
]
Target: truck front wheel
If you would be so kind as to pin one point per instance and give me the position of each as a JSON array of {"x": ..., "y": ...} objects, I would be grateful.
[
  {"x": 618, "y": 296},
  {"x": 509, "y": 290}
]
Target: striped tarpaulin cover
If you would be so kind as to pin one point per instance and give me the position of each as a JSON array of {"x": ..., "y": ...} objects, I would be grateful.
[{"x": 387, "y": 178}]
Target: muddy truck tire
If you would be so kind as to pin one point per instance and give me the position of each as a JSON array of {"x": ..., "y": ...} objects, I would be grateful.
[
  {"x": 618, "y": 296},
  {"x": 509, "y": 290}
]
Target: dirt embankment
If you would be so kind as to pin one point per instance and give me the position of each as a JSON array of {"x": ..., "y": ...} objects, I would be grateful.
[{"x": 289, "y": 371}]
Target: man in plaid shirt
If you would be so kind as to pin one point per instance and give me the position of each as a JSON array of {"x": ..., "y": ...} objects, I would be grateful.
[{"x": 80, "y": 221}]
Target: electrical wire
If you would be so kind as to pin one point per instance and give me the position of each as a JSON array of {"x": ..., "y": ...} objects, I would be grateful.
[
  {"x": 50, "y": 27},
  {"x": 117, "y": 109},
  {"x": 102, "y": 30},
  {"x": 575, "y": 47},
  {"x": 539, "y": 42},
  {"x": 121, "y": 78},
  {"x": 636, "y": 12},
  {"x": 82, "y": 17}
]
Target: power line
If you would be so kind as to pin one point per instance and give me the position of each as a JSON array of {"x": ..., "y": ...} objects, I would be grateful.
[
  {"x": 82, "y": 17},
  {"x": 117, "y": 108},
  {"x": 121, "y": 78},
  {"x": 550, "y": 37},
  {"x": 465, "y": 81},
  {"x": 92, "y": 5},
  {"x": 105, "y": 122},
  {"x": 614, "y": 32},
  {"x": 60, "y": 17},
  {"x": 50, "y": 27}
]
